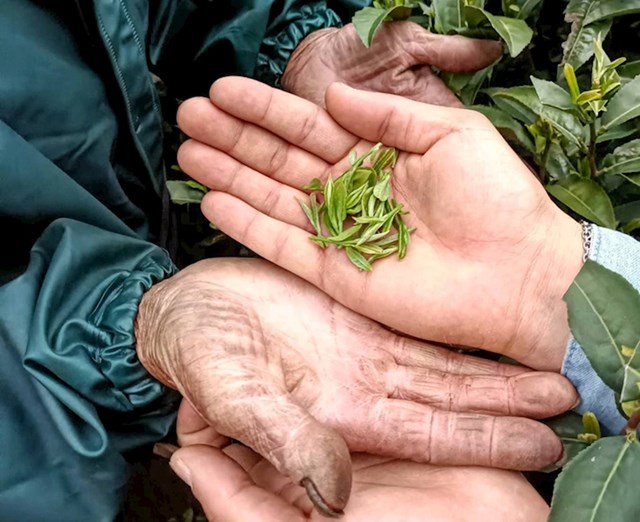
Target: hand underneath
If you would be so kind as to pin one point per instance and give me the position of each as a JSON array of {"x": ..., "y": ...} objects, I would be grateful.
[
  {"x": 235, "y": 484},
  {"x": 399, "y": 61},
  {"x": 491, "y": 256},
  {"x": 267, "y": 359}
]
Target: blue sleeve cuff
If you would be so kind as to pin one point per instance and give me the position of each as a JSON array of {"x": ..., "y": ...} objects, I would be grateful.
[
  {"x": 620, "y": 253},
  {"x": 277, "y": 48}
]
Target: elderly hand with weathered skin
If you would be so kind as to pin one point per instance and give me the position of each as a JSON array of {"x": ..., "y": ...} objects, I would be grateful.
[
  {"x": 234, "y": 484},
  {"x": 268, "y": 359},
  {"x": 399, "y": 61}
]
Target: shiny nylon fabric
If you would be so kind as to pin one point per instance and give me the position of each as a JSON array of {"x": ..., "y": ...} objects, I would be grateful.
[{"x": 80, "y": 178}]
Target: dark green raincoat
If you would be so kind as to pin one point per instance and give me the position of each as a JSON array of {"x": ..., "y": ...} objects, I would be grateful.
[{"x": 81, "y": 198}]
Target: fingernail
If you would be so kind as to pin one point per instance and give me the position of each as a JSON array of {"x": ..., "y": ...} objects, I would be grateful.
[{"x": 181, "y": 469}]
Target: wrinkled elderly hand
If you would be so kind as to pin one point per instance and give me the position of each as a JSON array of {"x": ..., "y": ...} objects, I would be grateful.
[
  {"x": 491, "y": 256},
  {"x": 237, "y": 485},
  {"x": 266, "y": 358},
  {"x": 400, "y": 62}
]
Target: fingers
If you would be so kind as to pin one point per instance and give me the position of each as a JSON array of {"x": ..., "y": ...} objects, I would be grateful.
[
  {"x": 534, "y": 394},
  {"x": 246, "y": 404},
  {"x": 396, "y": 121},
  {"x": 273, "y": 240},
  {"x": 221, "y": 172},
  {"x": 406, "y": 430},
  {"x": 457, "y": 54},
  {"x": 411, "y": 352},
  {"x": 252, "y": 145},
  {"x": 193, "y": 429},
  {"x": 297, "y": 121},
  {"x": 225, "y": 490}
]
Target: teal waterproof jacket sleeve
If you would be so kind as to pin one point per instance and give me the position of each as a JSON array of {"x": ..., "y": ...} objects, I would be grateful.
[
  {"x": 194, "y": 42},
  {"x": 73, "y": 395},
  {"x": 81, "y": 186}
]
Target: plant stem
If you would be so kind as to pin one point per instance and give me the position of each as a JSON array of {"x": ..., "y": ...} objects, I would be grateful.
[{"x": 592, "y": 150}]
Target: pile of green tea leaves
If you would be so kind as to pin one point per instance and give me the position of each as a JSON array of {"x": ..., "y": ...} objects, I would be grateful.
[{"x": 357, "y": 212}]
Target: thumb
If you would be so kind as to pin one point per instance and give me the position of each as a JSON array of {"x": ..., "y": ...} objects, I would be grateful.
[
  {"x": 225, "y": 490},
  {"x": 457, "y": 54},
  {"x": 247, "y": 405},
  {"x": 394, "y": 120}
]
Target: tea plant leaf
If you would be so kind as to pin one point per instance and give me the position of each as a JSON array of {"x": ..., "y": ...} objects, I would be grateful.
[
  {"x": 623, "y": 160},
  {"x": 526, "y": 8},
  {"x": 467, "y": 85},
  {"x": 628, "y": 211},
  {"x": 631, "y": 226},
  {"x": 599, "y": 484},
  {"x": 509, "y": 127},
  {"x": 629, "y": 71},
  {"x": 619, "y": 132},
  {"x": 183, "y": 192},
  {"x": 603, "y": 310},
  {"x": 558, "y": 165},
  {"x": 447, "y": 15},
  {"x": 624, "y": 106},
  {"x": 601, "y": 9},
  {"x": 368, "y": 20},
  {"x": 586, "y": 198},
  {"x": 580, "y": 45},
  {"x": 522, "y": 103},
  {"x": 515, "y": 33},
  {"x": 552, "y": 94}
]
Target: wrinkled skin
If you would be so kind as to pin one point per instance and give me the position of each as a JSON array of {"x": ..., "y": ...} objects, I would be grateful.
[
  {"x": 491, "y": 256},
  {"x": 237, "y": 485},
  {"x": 399, "y": 61},
  {"x": 268, "y": 359}
]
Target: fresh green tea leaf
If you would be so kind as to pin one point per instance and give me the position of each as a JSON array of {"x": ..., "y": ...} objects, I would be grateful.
[
  {"x": 603, "y": 307},
  {"x": 601, "y": 9},
  {"x": 367, "y": 21},
  {"x": 624, "y": 106},
  {"x": 580, "y": 45},
  {"x": 515, "y": 33},
  {"x": 358, "y": 259},
  {"x": 382, "y": 190},
  {"x": 619, "y": 132},
  {"x": 521, "y": 103},
  {"x": 197, "y": 186},
  {"x": 314, "y": 184},
  {"x": 183, "y": 193},
  {"x": 552, "y": 94},
  {"x": 527, "y": 8},
  {"x": 599, "y": 484},
  {"x": 623, "y": 160},
  {"x": 631, "y": 226},
  {"x": 312, "y": 216},
  {"x": 447, "y": 15},
  {"x": 629, "y": 71},
  {"x": 586, "y": 198},
  {"x": 467, "y": 85}
]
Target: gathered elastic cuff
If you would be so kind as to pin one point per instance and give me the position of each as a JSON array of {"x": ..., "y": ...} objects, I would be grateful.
[{"x": 278, "y": 48}]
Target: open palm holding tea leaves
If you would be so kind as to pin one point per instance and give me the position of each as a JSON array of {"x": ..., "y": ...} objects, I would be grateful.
[
  {"x": 358, "y": 210},
  {"x": 485, "y": 228}
]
